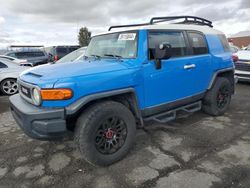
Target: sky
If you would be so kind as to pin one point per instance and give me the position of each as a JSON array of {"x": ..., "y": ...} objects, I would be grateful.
[{"x": 57, "y": 22}]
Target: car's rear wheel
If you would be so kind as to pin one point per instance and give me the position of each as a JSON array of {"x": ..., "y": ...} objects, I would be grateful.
[
  {"x": 218, "y": 98},
  {"x": 105, "y": 132},
  {"x": 9, "y": 86}
]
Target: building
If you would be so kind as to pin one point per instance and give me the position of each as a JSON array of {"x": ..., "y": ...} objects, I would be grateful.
[{"x": 240, "y": 39}]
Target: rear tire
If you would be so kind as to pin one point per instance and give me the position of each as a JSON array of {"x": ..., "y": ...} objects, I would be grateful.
[
  {"x": 218, "y": 98},
  {"x": 105, "y": 132}
]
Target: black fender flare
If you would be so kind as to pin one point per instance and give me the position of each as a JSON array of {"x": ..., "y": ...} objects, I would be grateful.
[
  {"x": 80, "y": 103},
  {"x": 215, "y": 75}
]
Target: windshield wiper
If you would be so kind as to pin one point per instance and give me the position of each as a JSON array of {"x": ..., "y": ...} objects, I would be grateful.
[
  {"x": 113, "y": 55},
  {"x": 95, "y": 56},
  {"x": 85, "y": 57}
]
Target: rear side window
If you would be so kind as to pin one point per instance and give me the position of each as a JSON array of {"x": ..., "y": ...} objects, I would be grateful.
[
  {"x": 224, "y": 43},
  {"x": 21, "y": 55},
  {"x": 198, "y": 43},
  {"x": 2, "y": 65},
  {"x": 38, "y": 54},
  {"x": 175, "y": 39}
]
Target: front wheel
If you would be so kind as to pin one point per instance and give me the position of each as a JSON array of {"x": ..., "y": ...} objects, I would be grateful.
[
  {"x": 9, "y": 86},
  {"x": 218, "y": 98},
  {"x": 105, "y": 132}
]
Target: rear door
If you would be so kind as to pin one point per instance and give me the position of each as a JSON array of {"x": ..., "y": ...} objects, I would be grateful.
[{"x": 201, "y": 61}]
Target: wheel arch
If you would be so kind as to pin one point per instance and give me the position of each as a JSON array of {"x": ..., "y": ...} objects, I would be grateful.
[
  {"x": 125, "y": 96},
  {"x": 7, "y": 79},
  {"x": 226, "y": 73}
]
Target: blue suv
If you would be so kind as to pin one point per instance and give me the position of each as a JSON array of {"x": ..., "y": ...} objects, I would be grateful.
[{"x": 128, "y": 76}]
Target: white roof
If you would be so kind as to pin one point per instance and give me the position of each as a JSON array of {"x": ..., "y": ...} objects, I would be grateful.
[{"x": 204, "y": 29}]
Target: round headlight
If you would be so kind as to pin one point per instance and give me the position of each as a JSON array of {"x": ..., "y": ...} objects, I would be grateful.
[{"x": 36, "y": 96}]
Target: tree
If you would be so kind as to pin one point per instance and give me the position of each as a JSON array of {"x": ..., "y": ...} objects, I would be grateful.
[{"x": 84, "y": 36}]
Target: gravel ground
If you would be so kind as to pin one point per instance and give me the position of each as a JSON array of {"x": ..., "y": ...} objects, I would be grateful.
[{"x": 190, "y": 152}]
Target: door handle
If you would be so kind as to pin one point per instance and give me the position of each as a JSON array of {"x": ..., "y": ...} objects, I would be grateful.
[{"x": 189, "y": 66}]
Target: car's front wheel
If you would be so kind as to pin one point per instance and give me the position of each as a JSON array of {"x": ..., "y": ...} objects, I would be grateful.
[
  {"x": 9, "y": 86},
  {"x": 105, "y": 132}
]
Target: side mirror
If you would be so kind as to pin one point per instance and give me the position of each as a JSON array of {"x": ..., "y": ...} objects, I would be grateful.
[{"x": 162, "y": 51}]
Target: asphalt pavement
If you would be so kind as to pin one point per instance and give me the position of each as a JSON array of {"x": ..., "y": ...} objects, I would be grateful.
[{"x": 192, "y": 152}]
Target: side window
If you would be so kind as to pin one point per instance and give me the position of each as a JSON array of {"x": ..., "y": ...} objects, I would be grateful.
[
  {"x": 175, "y": 39},
  {"x": 2, "y": 65},
  {"x": 198, "y": 43},
  {"x": 224, "y": 43},
  {"x": 37, "y": 54},
  {"x": 21, "y": 55}
]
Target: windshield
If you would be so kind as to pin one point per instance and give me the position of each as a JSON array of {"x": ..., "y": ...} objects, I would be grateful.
[
  {"x": 121, "y": 44},
  {"x": 73, "y": 55}
]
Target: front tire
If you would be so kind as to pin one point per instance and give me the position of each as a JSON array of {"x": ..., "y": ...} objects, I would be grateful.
[
  {"x": 9, "y": 86},
  {"x": 105, "y": 132},
  {"x": 218, "y": 98}
]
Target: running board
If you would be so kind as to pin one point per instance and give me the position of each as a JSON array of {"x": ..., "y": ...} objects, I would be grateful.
[{"x": 171, "y": 115}]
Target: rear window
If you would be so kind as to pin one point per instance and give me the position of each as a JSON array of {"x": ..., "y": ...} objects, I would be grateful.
[
  {"x": 224, "y": 43},
  {"x": 9, "y": 58},
  {"x": 198, "y": 43},
  {"x": 2, "y": 65}
]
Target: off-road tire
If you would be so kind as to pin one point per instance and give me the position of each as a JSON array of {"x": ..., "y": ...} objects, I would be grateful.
[
  {"x": 210, "y": 105},
  {"x": 88, "y": 124}
]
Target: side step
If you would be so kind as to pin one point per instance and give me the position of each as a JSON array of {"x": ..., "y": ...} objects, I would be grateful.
[{"x": 171, "y": 115}]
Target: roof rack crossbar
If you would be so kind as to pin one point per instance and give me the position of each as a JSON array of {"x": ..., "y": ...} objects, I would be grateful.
[
  {"x": 187, "y": 19},
  {"x": 154, "y": 20}
]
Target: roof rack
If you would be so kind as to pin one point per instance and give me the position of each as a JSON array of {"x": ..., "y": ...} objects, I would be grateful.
[{"x": 187, "y": 20}]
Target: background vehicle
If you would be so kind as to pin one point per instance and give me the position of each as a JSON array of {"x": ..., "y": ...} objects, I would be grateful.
[
  {"x": 9, "y": 72},
  {"x": 57, "y": 52},
  {"x": 15, "y": 60},
  {"x": 35, "y": 56},
  {"x": 242, "y": 66},
  {"x": 73, "y": 56},
  {"x": 141, "y": 73},
  {"x": 234, "y": 48}
]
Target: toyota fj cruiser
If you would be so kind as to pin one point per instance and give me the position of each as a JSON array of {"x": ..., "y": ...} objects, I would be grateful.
[{"x": 136, "y": 73}]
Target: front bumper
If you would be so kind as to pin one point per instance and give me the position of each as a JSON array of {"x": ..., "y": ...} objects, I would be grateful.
[
  {"x": 36, "y": 122},
  {"x": 243, "y": 75}
]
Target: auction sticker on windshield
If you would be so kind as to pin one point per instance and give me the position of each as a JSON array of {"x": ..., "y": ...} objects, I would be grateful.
[{"x": 127, "y": 36}]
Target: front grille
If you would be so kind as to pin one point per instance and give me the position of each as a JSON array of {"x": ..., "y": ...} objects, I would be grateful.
[
  {"x": 25, "y": 91},
  {"x": 242, "y": 66}
]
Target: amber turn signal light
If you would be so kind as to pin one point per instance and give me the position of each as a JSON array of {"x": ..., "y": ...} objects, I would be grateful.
[{"x": 56, "y": 94}]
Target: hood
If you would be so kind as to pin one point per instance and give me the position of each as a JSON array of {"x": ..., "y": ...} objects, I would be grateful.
[
  {"x": 72, "y": 69},
  {"x": 244, "y": 55}
]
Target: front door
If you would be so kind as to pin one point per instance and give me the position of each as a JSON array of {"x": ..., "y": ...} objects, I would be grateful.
[{"x": 176, "y": 78}]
